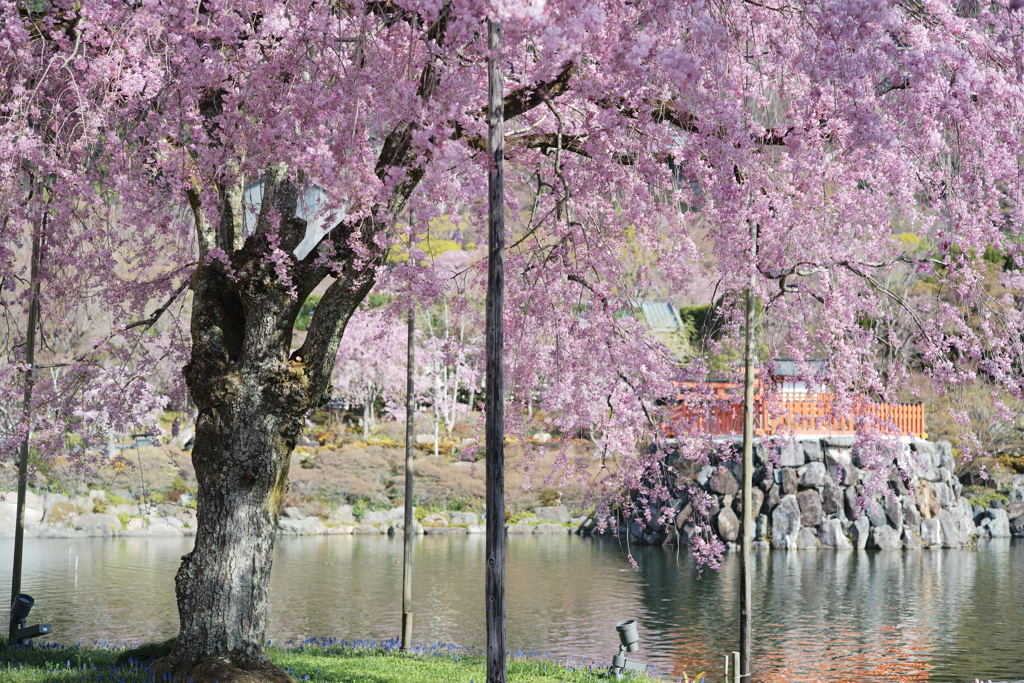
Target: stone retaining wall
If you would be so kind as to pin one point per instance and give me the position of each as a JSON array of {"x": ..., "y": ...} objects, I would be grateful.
[{"x": 800, "y": 505}]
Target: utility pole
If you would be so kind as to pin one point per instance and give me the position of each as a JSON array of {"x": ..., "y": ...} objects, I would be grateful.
[
  {"x": 495, "y": 346},
  {"x": 746, "y": 545},
  {"x": 410, "y": 416},
  {"x": 30, "y": 360}
]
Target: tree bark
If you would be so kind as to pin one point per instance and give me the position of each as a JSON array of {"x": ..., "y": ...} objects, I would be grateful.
[
  {"x": 252, "y": 396},
  {"x": 251, "y": 402}
]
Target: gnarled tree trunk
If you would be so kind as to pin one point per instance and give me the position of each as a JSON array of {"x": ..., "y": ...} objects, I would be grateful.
[{"x": 252, "y": 396}]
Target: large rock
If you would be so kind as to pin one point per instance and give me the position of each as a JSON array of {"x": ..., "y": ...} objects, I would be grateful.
[
  {"x": 893, "y": 512},
  {"x": 292, "y": 513},
  {"x": 723, "y": 482},
  {"x": 944, "y": 450},
  {"x": 810, "y": 507},
  {"x": 950, "y": 532},
  {"x": 790, "y": 481},
  {"x": 304, "y": 526},
  {"x": 61, "y": 512},
  {"x": 365, "y": 530},
  {"x": 814, "y": 475},
  {"x": 791, "y": 454},
  {"x": 188, "y": 517},
  {"x": 884, "y": 538},
  {"x": 812, "y": 450},
  {"x": 434, "y": 519},
  {"x": 378, "y": 517},
  {"x": 931, "y": 533},
  {"x": 944, "y": 494},
  {"x": 772, "y": 497},
  {"x": 911, "y": 515},
  {"x": 831, "y": 498},
  {"x": 964, "y": 519},
  {"x": 926, "y": 457},
  {"x": 839, "y": 462},
  {"x": 830, "y": 535},
  {"x": 910, "y": 539},
  {"x": 786, "y": 523},
  {"x": 341, "y": 515},
  {"x": 1017, "y": 525},
  {"x": 546, "y": 528},
  {"x": 807, "y": 539},
  {"x": 9, "y": 514},
  {"x": 996, "y": 523},
  {"x": 875, "y": 512},
  {"x": 927, "y": 502},
  {"x": 399, "y": 528},
  {"x": 860, "y": 530},
  {"x": 468, "y": 517},
  {"x": 519, "y": 529},
  {"x": 851, "y": 507},
  {"x": 684, "y": 516},
  {"x": 728, "y": 525},
  {"x": 171, "y": 526},
  {"x": 97, "y": 524},
  {"x": 704, "y": 474},
  {"x": 897, "y": 484}
]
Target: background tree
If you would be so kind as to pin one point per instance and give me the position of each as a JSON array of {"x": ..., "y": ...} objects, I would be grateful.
[{"x": 370, "y": 367}]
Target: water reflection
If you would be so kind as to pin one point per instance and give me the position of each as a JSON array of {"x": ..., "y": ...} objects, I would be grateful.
[{"x": 939, "y": 616}]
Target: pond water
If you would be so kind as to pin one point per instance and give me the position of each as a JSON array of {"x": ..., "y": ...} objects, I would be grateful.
[{"x": 939, "y": 615}]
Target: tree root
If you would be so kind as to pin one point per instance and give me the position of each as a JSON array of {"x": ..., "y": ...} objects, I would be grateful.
[{"x": 218, "y": 670}]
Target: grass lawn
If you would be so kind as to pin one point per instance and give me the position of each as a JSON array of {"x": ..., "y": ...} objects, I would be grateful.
[{"x": 336, "y": 663}]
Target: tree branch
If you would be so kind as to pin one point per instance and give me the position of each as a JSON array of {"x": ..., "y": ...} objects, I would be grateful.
[
  {"x": 152, "y": 319},
  {"x": 532, "y": 96}
]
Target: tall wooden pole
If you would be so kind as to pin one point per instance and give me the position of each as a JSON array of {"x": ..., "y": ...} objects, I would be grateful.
[
  {"x": 30, "y": 359},
  {"x": 495, "y": 346},
  {"x": 746, "y": 545},
  {"x": 410, "y": 416}
]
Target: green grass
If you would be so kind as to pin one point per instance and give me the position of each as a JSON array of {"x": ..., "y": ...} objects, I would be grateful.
[{"x": 335, "y": 663}]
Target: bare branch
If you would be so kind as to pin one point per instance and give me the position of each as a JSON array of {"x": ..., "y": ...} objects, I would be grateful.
[{"x": 152, "y": 319}]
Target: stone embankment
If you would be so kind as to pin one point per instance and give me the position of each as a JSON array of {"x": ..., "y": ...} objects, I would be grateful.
[
  {"x": 544, "y": 521},
  {"x": 801, "y": 505},
  {"x": 54, "y": 515}
]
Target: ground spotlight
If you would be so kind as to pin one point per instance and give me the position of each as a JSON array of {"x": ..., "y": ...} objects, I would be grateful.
[
  {"x": 630, "y": 642},
  {"x": 20, "y": 608}
]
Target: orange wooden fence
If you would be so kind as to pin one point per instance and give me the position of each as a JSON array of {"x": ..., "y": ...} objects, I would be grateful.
[{"x": 811, "y": 414}]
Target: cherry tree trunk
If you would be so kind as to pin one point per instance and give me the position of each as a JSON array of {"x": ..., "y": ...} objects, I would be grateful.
[
  {"x": 252, "y": 400},
  {"x": 241, "y": 460}
]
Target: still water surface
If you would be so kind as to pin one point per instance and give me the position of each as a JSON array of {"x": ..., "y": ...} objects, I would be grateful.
[{"x": 939, "y": 616}]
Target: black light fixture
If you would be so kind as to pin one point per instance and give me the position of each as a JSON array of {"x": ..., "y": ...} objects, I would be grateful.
[
  {"x": 20, "y": 608},
  {"x": 630, "y": 642}
]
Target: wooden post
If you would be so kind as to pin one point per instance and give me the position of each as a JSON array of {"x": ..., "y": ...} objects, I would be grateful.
[
  {"x": 410, "y": 416},
  {"x": 746, "y": 544},
  {"x": 495, "y": 398},
  {"x": 30, "y": 359}
]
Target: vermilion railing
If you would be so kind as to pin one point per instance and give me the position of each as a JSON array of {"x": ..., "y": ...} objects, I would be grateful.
[{"x": 811, "y": 414}]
